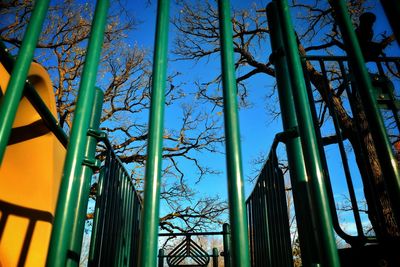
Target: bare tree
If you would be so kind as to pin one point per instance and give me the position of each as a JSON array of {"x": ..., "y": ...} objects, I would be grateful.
[
  {"x": 317, "y": 30},
  {"x": 125, "y": 77}
]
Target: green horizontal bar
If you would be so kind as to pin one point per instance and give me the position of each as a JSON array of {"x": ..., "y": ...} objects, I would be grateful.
[{"x": 191, "y": 234}]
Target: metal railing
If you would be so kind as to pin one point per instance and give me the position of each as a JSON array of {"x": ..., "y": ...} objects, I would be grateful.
[
  {"x": 116, "y": 223},
  {"x": 189, "y": 253},
  {"x": 268, "y": 221}
]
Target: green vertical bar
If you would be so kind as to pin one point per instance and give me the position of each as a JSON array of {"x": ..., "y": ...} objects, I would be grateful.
[
  {"x": 160, "y": 258},
  {"x": 298, "y": 174},
  {"x": 79, "y": 217},
  {"x": 227, "y": 244},
  {"x": 68, "y": 196},
  {"x": 122, "y": 233},
  {"x": 238, "y": 220},
  {"x": 131, "y": 219},
  {"x": 387, "y": 160},
  {"x": 124, "y": 239},
  {"x": 308, "y": 140},
  {"x": 117, "y": 231},
  {"x": 150, "y": 213},
  {"x": 215, "y": 257},
  {"x": 9, "y": 103}
]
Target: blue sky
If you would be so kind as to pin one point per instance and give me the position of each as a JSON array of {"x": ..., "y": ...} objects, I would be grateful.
[
  {"x": 257, "y": 126},
  {"x": 255, "y": 136}
]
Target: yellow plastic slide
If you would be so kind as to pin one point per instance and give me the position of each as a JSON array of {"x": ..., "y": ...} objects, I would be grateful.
[{"x": 29, "y": 179}]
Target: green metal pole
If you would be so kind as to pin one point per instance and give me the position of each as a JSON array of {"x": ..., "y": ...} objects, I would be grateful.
[
  {"x": 160, "y": 258},
  {"x": 392, "y": 10},
  {"x": 68, "y": 196},
  {"x": 298, "y": 174},
  {"x": 10, "y": 101},
  {"x": 215, "y": 257},
  {"x": 227, "y": 244},
  {"x": 79, "y": 218},
  {"x": 150, "y": 213},
  {"x": 238, "y": 221},
  {"x": 387, "y": 160},
  {"x": 309, "y": 140}
]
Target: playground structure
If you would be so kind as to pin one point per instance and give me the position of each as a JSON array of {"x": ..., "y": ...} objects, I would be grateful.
[{"x": 48, "y": 204}]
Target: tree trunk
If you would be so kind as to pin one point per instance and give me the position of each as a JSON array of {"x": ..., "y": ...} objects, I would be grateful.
[{"x": 379, "y": 206}]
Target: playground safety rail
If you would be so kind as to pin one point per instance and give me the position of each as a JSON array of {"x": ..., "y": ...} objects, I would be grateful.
[
  {"x": 267, "y": 212},
  {"x": 116, "y": 222}
]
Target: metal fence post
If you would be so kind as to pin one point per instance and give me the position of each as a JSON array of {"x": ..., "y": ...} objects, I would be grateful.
[
  {"x": 150, "y": 214},
  {"x": 237, "y": 208},
  {"x": 308, "y": 140},
  {"x": 215, "y": 257},
  {"x": 160, "y": 258},
  {"x": 15, "y": 88},
  {"x": 68, "y": 196},
  {"x": 227, "y": 244}
]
